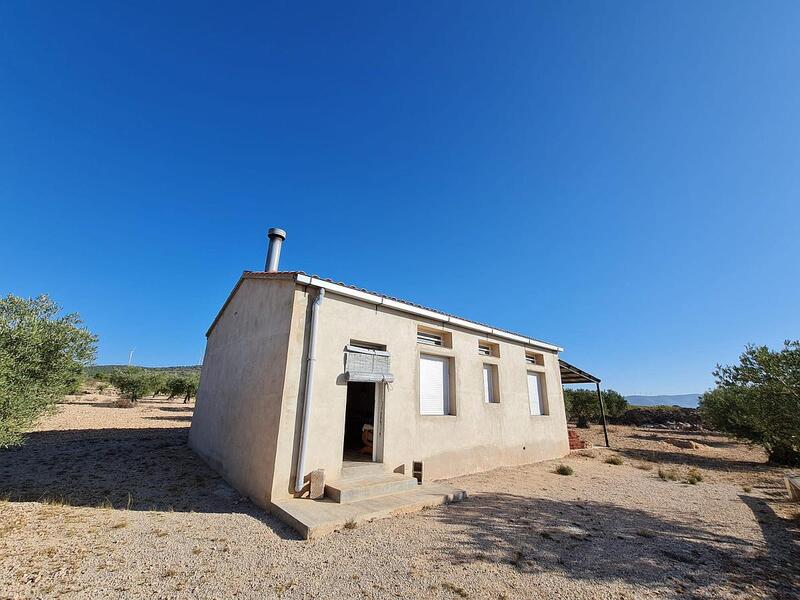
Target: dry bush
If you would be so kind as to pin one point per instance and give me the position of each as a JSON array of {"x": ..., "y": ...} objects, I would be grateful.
[
  {"x": 123, "y": 403},
  {"x": 694, "y": 476},
  {"x": 564, "y": 470},
  {"x": 613, "y": 460},
  {"x": 668, "y": 474}
]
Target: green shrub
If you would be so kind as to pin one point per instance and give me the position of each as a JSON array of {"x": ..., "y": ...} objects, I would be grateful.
[
  {"x": 564, "y": 470},
  {"x": 583, "y": 407},
  {"x": 42, "y": 358},
  {"x": 132, "y": 382},
  {"x": 757, "y": 399}
]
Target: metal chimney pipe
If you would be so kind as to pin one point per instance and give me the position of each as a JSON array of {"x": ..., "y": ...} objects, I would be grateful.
[{"x": 276, "y": 237}]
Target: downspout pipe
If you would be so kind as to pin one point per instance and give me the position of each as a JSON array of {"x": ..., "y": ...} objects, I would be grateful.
[{"x": 309, "y": 391}]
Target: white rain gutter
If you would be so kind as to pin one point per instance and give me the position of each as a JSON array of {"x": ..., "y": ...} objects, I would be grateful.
[
  {"x": 422, "y": 312},
  {"x": 312, "y": 359}
]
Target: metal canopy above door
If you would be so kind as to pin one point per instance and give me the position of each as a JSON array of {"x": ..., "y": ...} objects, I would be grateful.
[{"x": 366, "y": 364}]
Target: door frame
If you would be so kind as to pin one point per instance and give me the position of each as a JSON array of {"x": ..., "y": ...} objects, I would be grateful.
[{"x": 378, "y": 419}]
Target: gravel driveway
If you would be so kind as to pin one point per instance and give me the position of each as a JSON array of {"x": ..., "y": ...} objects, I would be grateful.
[{"x": 109, "y": 502}]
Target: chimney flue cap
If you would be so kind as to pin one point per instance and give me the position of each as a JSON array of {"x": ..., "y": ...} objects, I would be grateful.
[{"x": 276, "y": 232}]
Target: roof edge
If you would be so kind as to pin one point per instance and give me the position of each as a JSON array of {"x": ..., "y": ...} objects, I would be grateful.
[
  {"x": 382, "y": 300},
  {"x": 399, "y": 305}
]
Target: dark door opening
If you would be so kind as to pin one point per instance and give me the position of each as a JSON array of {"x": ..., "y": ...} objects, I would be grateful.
[{"x": 359, "y": 421}]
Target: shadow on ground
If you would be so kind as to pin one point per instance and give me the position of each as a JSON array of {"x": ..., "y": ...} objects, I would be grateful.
[
  {"x": 138, "y": 469},
  {"x": 599, "y": 541},
  {"x": 715, "y": 463}
]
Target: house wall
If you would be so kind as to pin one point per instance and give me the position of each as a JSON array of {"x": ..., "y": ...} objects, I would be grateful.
[
  {"x": 478, "y": 437},
  {"x": 237, "y": 415}
]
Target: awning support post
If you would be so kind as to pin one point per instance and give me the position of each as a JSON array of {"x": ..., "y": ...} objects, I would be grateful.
[{"x": 603, "y": 413}]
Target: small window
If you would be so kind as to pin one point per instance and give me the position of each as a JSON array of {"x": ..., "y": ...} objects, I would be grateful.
[
  {"x": 367, "y": 345},
  {"x": 488, "y": 349},
  {"x": 491, "y": 394},
  {"x": 429, "y": 339},
  {"x": 434, "y": 337},
  {"x": 434, "y": 385},
  {"x": 534, "y": 358},
  {"x": 536, "y": 394}
]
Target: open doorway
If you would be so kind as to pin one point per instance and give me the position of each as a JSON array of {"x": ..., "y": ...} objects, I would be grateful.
[{"x": 360, "y": 425}]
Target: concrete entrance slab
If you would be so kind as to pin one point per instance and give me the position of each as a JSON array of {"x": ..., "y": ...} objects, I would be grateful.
[{"x": 315, "y": 518}]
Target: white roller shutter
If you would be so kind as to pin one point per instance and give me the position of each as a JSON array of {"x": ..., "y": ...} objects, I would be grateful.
[
  {"x": 434, "y": 392},
  {"x": 488, "y": 384},
  {"x": 535, "y": 394}
]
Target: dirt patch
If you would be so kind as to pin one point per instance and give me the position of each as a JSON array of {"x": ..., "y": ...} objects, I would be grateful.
[{"x": 108, "y": 502}]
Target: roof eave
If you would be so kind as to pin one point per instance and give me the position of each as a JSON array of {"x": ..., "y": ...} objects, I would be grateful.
[{"x": 379, "y": 300}]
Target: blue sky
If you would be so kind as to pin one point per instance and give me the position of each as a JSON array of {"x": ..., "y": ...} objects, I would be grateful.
[{"x": 622, "y": 179}]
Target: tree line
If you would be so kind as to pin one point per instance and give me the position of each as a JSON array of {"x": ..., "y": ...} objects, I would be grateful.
[
  {"x": 135, "y": 383},
  {"x": 583, "y": 407}
]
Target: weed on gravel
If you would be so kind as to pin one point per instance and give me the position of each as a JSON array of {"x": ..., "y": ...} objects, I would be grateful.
[
  {"x": 694, "y": 476},
  {"x": 668, "y": 474},
  {"x": 613, "y": 460},
  {"x": 455, "y": 589},
  {"x": 564, "y": 470}
]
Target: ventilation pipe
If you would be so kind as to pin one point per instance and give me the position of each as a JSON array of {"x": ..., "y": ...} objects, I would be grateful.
[
  {"x": 312, "y": 359},
  {"x": 276, "y": 237}
]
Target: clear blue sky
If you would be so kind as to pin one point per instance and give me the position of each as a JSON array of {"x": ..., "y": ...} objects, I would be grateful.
[{"x": 622, "y": 179}]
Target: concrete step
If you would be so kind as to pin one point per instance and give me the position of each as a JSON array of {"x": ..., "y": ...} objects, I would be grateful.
[
  {"x": 315, "y": 518},
  {"x": 361, "y": 469},
  {"x": 354, "y": 489}
]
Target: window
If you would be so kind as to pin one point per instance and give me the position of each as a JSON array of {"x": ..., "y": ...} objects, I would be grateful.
[
  {"x": 488, "y": 349},
  {"x": 536, "y": 394},
  {"x": 429, "y": 339},
  {"x": 534, "y": 358},
  {"x": 491, "y": 393},
  {"x": 367, "y": 345},
  {"x": 434, "y": 337},
  {"x": 434, "y": 385}
]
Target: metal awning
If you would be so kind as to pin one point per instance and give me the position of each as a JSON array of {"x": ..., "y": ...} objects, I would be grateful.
[{"x": 572, "y": 374}]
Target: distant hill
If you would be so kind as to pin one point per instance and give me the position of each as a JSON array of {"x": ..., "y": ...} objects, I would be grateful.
[
  {"x": 684, "y": 400},
  {"x": 185, "y": 370}
]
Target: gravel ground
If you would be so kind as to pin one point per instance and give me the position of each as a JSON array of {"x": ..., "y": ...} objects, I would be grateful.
[{"x": 108, "y": 502}]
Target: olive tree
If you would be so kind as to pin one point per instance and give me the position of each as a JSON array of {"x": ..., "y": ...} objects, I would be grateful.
[
  {"x": 42, "y": 357},
  {"x": 132, "y": 382},
  {"x": 583, "y": 407},
  {"x": 759, "y": 400},
  {"x": 191, "y": 384}
]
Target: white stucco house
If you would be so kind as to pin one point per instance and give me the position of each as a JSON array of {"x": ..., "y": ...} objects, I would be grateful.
[{"x": 298, "y": 367}]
